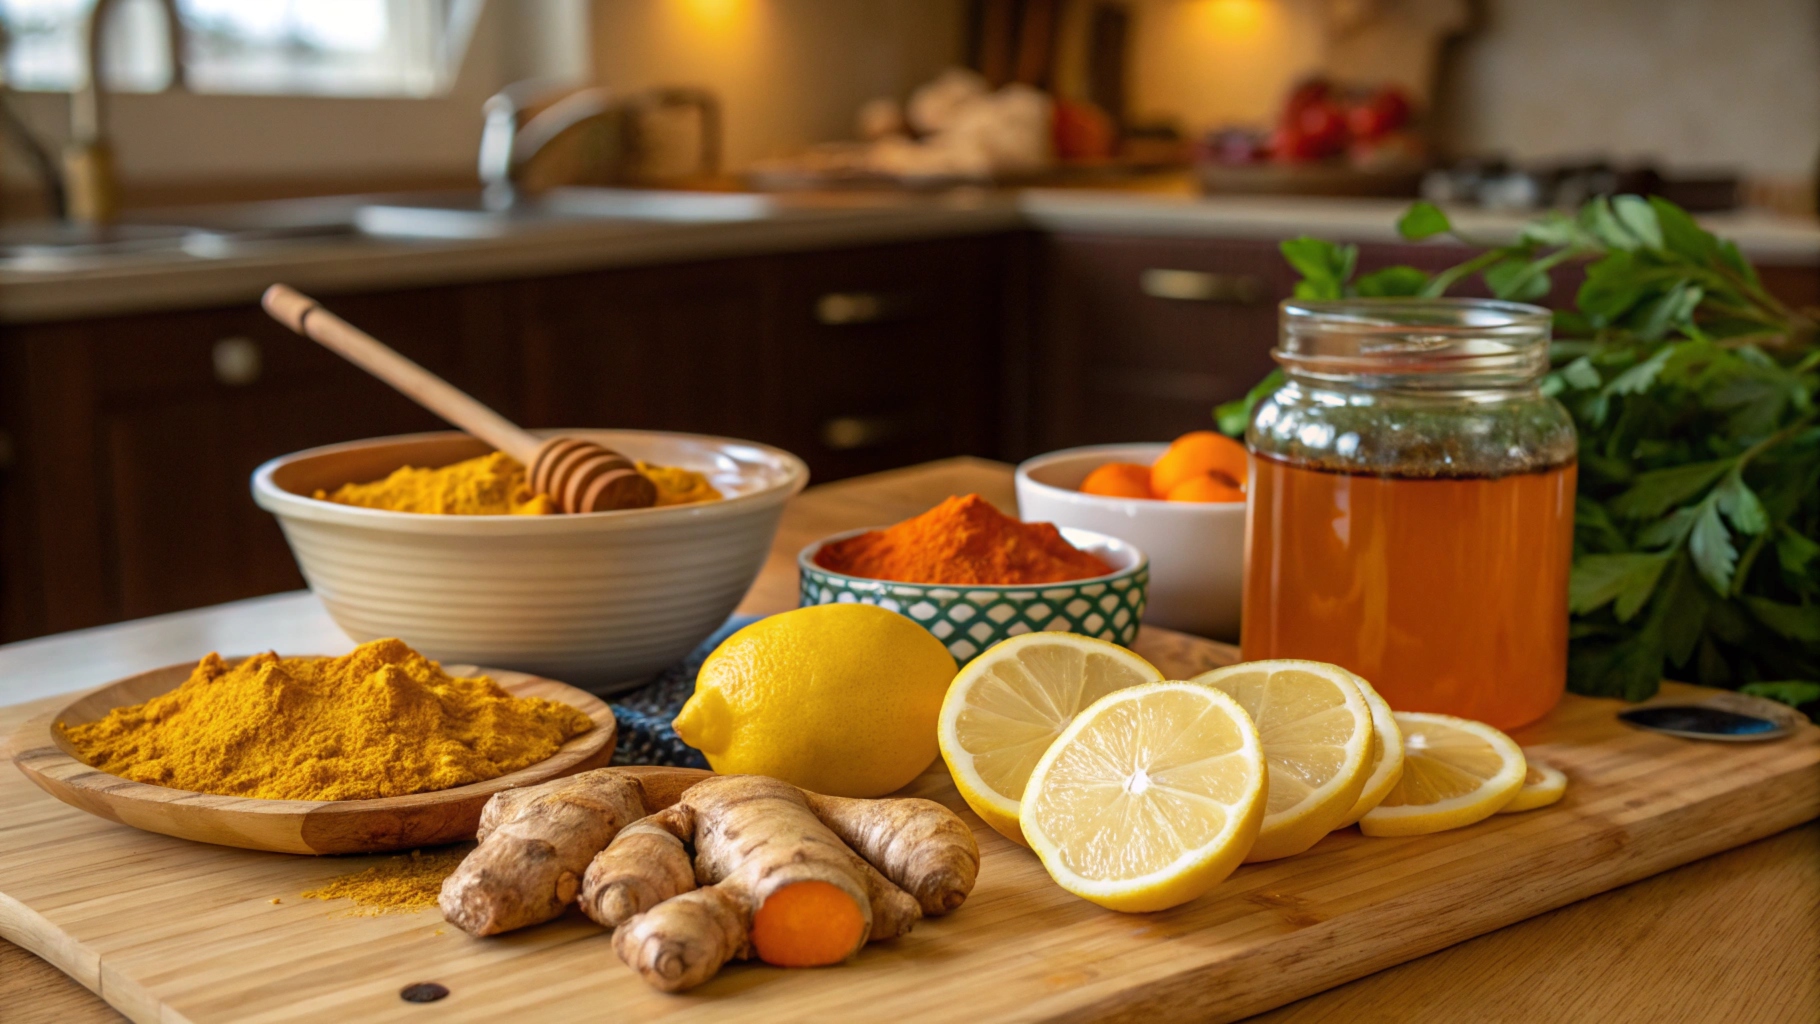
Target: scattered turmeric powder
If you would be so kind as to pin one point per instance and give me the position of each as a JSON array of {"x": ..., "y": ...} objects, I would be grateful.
[
  {"x": 380, "y": 721},
  {"x": 494, "y": 485},
  {"x": 398, "y": 885}
]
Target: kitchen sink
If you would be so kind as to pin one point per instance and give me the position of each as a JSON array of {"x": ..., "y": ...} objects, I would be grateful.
[
  {"x": 469, "y": 216},
  {"x": 242, "y": 229}
]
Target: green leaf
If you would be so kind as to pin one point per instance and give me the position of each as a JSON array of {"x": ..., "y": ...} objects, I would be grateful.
[
  {"x": 1732, "y": 258},
  {"x": 1793, "y": 692},
  {"x": 1553, "y": 229},
  {"x": 1641, "y": 377},
  {"x": 1324, "y": 266},
  {"x": 1796, "y": 622},
  {"x": 1423, "y": 220},
  {"x": 1234, "y": 416},
  {"x": 1611, "y": 288},
  {"x": 1740, "y": 504},
  {"x": 1594, "y": 530},
  {"x": 1598, "y": 220},
  {"x": 1581, "y": 374},
  {"x": 1711, "y": 545},
  {"x": 1518, "y": 280},
  {"x": 1795, "y": 552},
  {"x": 1639, "y": 218},
  {"x": 1627, "y": 579},
  {"x": 1630, "y": 668},
  {"x": 1670, "y": 530},
  {"x": 1681, "y": 612},
  {"x": 1659, "y": 490},
  {"x": 1392, "y": 282},
  {"x": 1680, "y": 234}
]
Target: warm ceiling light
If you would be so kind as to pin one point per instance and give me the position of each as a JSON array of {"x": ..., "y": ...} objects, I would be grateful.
[{"x": 1233, "y": 19}]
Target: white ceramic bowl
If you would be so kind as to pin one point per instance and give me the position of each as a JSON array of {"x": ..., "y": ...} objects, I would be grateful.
[
  {"x": 1197, "y": 551},
  {"x": 601, "y": 600}
]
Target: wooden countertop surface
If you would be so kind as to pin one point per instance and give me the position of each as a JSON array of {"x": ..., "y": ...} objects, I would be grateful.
[{"x": 1734, "y": 937}]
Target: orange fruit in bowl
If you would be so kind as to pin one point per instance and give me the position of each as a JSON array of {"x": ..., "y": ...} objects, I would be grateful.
[
  {"x": 1208, "y": 487},
  {"x": 1118, "y": 480},
  {"x": 1196, "y": 455}
]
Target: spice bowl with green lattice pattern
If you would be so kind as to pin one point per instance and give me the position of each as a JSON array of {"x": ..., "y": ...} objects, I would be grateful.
[{"x": 969, "y": 618}]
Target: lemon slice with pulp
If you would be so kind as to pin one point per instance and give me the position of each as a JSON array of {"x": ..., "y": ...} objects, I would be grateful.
[
  {"x": 1009, "y": 704},
  {"x": 1316, "y": 730},
  {"x": 1542, "y": 786},
  {"x": 1386, "y": 759},
  {"x": 1150, "y": 798},
  {"x": 1455, "y": 772}
]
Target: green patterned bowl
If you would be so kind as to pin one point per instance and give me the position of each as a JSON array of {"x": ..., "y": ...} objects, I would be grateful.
[{"x": 970, "y": 619}]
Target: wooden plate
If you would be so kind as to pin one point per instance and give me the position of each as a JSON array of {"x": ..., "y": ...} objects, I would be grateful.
[{"x": 289, "y": 826}]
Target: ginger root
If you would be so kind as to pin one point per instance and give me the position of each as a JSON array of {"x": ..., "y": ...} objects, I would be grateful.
[
  {"x": 798, "y": 879},
  {"x": 535, "y": 843}
]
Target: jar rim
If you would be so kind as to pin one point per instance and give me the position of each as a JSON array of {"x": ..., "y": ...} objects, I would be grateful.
[
  {"x": 1410, "y": 342},
  {"x": 1429, "y": 315}
]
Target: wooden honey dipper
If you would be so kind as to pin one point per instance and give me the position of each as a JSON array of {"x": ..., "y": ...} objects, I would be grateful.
[{"x": 578, "y": 475}]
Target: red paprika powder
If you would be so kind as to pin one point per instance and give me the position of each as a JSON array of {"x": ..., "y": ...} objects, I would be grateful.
[{"x": 964, "y": 540}]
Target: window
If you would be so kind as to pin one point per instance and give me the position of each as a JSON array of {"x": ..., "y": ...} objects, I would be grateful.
[{"x": 312, "y": 47}]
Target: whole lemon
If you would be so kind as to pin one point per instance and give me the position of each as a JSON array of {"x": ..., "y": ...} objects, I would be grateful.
[{"x": 838, "y": 698}]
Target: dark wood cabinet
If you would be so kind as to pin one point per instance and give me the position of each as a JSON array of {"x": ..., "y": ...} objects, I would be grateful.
[{"x": 1141, "y": 337}]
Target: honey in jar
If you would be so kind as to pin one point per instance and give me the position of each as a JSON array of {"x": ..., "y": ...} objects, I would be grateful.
[{"x": 1412, "y": 495}]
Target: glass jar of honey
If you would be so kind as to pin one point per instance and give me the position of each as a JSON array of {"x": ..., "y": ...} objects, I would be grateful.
[{"x": 1412, "y": 502}]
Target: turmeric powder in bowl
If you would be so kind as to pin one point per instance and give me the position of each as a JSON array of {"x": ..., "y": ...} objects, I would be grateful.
[
  {"x": 380, "y": 721},
  {"x": 495, "y": 485}
]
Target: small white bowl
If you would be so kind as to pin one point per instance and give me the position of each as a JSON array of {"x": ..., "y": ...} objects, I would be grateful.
[
  {"x": 600, "y": 600},
  {"x": 1197, "y": 551}
]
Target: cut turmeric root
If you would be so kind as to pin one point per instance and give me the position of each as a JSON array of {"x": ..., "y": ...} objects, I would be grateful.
[{"x": 809, "y": 924}]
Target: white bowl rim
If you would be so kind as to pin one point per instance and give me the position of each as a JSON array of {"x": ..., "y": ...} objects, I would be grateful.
[
  {"x": 275, "y": 499},
  {"x": 805, "y": 561},
  {"x": 1153, "y": 506}
]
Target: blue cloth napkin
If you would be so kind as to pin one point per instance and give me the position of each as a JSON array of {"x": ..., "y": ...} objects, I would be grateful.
[{"x": 644, "y": 714}]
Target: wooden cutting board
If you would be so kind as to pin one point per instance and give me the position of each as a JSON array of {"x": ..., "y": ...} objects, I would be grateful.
[{"x": 169, "y": 930}]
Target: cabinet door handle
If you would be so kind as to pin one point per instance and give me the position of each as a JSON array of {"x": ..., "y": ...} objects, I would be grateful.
[
  {"x": 237, "y": 360},
  {"x": 842, "y": 309},
  {"x": 1200, "y": 286},
  {"x": 852, "y": 433}
]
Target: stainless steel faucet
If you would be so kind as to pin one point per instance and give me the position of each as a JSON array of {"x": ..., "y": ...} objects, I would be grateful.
[
  {"x": 507, "y": 146},
  {"x": 88, "y": 161}
]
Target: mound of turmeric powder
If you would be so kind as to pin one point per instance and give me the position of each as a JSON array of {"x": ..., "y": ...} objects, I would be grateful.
[
  {"x": 379, "y": 721},
  {"x": 494, "y": 485}
]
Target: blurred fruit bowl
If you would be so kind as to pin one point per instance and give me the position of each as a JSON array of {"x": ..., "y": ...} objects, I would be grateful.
[{"x": 1196, "y": 549}]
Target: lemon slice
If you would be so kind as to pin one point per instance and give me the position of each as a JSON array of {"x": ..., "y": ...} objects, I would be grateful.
[
  {"x": 1316, "y": 730},
  {"x": 1542, "y": 786},
  {"x": 1150, "y": 798},
  {"x": 1004, "y": 709},
  {"x": 1455, "y": 772},
  {"x": 1386, "y": 754}
]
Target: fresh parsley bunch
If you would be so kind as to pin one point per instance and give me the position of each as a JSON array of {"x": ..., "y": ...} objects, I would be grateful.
[{"x": 1697, "y": 524}]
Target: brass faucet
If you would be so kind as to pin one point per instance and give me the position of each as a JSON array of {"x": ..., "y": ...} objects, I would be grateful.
[{"x": 88, "y": 160}]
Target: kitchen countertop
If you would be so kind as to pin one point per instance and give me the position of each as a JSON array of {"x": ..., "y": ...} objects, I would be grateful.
[
  {"x": 1730, "y": 937},
  {"x": 123, "y": 284}
]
